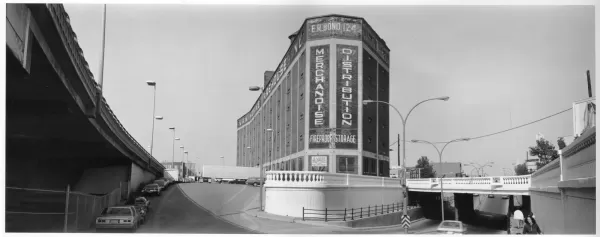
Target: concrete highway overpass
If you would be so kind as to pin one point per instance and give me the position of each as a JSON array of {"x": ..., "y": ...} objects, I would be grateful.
[{"x": 52, "y": 138}]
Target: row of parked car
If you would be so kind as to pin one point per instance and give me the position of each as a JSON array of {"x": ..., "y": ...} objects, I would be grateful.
[
  {"x": 131, "y": 216},
  {"x": 254, "y": 181},
  {"x": 157, "y": 187}
]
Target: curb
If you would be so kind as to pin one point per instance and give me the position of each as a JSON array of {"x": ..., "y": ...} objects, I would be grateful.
[{"x": 217, "y": 216}]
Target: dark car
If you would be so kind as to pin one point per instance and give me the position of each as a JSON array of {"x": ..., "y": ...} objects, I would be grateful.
[
  {"x": 151, "y": 189},
  {"x": 206, "y": 180},
  {"x": 238, "y": 181},
  {"x": 254, "y": 181}
]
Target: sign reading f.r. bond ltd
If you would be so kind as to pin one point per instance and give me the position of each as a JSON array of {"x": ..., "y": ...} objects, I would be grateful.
[{"x": 339, "y": 27}]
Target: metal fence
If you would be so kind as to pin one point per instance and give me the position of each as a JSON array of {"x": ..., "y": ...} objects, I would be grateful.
[
  {"x": 349, "y": 213},
  {"x": 40, "y": 210}
]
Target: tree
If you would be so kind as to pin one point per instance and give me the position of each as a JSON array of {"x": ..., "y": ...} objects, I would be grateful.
[
  {"x": 521, "y": 169},
  {"x": 545, "y": 151},
  {"x": 561, "y": 143},
  {"x": 426, "y": 168}
]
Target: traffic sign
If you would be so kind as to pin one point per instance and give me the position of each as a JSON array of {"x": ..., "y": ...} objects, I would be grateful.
[
  {"x": 405, "y": 221},
  {"x": 396, "y": 168}
]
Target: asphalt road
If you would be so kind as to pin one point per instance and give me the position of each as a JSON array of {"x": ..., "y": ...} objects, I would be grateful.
[{"x": 173, "y": 212}]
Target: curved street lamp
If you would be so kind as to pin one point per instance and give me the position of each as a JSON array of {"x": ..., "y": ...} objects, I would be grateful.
[
  {"x": 441, "y": 167},
  {"x": 365, "y": 102}
]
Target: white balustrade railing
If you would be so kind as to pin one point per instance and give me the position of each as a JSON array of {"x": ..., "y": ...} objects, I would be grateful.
[
  {"x": 507, "y": 182},
  {"x": 314, "y": 178}
]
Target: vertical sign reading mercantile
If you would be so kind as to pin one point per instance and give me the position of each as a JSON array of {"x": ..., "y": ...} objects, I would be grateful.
[
  {"x": 347, "y": 97},
  {"x": 319, "y": 94}
]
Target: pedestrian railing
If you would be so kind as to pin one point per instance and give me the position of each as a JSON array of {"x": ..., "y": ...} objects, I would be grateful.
[{"x": 347, "y": 214}]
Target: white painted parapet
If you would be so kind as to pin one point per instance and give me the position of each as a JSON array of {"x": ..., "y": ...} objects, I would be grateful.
[
  {"x": 287, "y": 192},
  {"x": 507, "y": 185}
]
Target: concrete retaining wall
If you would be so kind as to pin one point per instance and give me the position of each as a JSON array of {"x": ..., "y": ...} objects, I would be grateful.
[
  {"x": 102, "y": 180},
  {"x": 290, "y": 201}
]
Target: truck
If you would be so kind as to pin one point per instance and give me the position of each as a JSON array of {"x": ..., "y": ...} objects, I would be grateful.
[
  {"x": 228, "y": 173},
  {"x": 172, "y": 174}
]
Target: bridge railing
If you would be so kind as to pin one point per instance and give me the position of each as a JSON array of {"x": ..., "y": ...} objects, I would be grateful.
[
  {"x": 315, "y": 178},
  {"x": 522, "y": 182},
  {"x": 69, "y": 38}
]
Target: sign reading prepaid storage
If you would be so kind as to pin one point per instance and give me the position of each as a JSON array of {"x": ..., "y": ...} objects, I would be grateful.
[
  {"x": 347, "y": 88},
  {"x": 339, "y": 27},
  {"x": 332, "y": 138}
]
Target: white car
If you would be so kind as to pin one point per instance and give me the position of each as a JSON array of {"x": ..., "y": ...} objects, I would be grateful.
[{"x": 451, "y": 227}]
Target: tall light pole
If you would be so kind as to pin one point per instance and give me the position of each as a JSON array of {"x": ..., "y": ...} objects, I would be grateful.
[
  {"x": 441, "y": 167},
  {"x": 185, "y": 170},
  {"x": 481, "y": 167},
  {"x": 365, "y": 102},
  {"x": 154, "y": 117},
  {"x": 173, "y": 161}
]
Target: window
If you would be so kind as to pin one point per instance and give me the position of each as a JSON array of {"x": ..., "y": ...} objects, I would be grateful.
[
  {"x": 300, "y": 164},
  {"x": 293, "y": 165},
  {"x": 319, "y": 163},
  {"x": 347, "y": 164}
]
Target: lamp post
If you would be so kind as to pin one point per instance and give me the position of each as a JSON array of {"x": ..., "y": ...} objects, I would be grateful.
[
  {"x": 222, "y": 161},
  {"x": 365, "y": 102},
  {"x": 154, "y": 117},
  {"x": 174, "y": 138},
  {"x": 185, "y": 170},
  {"x": 441, "y": 167},
  {"x": 479, "y": 167}
]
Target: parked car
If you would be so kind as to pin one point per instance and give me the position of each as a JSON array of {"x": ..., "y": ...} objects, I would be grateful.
[
  {"x": 451, "y": 227},
  {"x": 161, "y": 183},
  {"x": 143, "y": 202},
  {"x": 119, "y": 217},
  {"x": 238, "y": 181},
  {"x": 206, "y": 180},
  {"x": 151, "y": 189},
  {"x": 218, "y": 180},
  {"x": 254, "y": 181}
]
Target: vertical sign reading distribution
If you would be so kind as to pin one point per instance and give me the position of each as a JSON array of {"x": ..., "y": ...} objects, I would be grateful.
[
  {"x": 319, "y": 94},
  {"x": 347, "y": 96}
]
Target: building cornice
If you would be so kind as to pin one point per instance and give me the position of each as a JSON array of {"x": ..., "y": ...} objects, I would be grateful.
[{"x": 587, "y": 139}]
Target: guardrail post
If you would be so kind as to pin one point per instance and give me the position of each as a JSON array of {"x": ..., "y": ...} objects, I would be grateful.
[
  {"x": 381, "y": 209},
  {"x": 344, "y": 214},
  {"x": 388, "y": 208},
  {"x": 352, "y": 213},
  {"x": 361, "y": 212},
  {"x": 325, "y": 214},
  {"x": 302, "y": 213}
]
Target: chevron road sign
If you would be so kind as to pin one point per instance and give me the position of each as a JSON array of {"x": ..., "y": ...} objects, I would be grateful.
[{"x": 405, "y": 221}]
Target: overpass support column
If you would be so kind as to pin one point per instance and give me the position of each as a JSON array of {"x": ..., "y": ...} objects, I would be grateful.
[{"x": 464, "y": 204}]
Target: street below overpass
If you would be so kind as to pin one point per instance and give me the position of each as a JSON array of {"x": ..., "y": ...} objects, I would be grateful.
[{"x": 232, "y": 209}]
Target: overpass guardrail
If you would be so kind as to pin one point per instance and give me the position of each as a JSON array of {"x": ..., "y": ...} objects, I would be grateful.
[
  {"x": 69, "y": 38},
  {"x": 509, "y": 184}
]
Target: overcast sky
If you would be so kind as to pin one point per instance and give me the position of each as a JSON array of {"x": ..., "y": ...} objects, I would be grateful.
[{"x": 502, "y": 66}]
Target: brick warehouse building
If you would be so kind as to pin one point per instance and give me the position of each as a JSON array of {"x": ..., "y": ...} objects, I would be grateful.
[{"x": 312, "y": 103}]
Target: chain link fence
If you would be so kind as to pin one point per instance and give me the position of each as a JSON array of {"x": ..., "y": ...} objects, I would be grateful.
[{"x": 41, "y": 210}]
